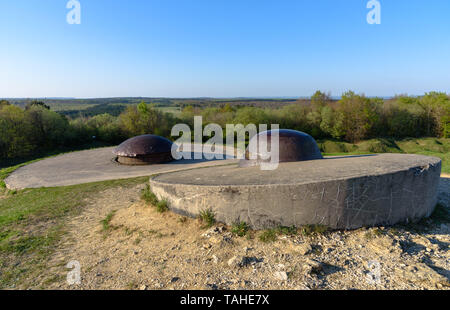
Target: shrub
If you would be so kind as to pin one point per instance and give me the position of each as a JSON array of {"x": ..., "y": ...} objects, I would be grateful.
[
  {"x": 162, "y": 206},
  {"x": 269, "y": 235},
  {"x": 309, "y": 230},
  {"x": 207, "y": 217},
  {"x": 148, "y": 196},
  {"x": 240, "y": 229},
  {"x": 289, "y": 231}
]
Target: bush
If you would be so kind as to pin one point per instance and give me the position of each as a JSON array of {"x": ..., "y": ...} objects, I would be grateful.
[
  {"x": 162, "y": 206},
  {"x": 148, "y": 196},
  {"x": 207, "y": 217},
  {"x": 240, "y": 229},
  {"x": 309, "y": 230},
  {"x": 269, "y": 235}
]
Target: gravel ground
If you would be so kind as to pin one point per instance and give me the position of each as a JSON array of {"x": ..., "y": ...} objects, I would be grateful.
[{"x": 143, "y": 249}]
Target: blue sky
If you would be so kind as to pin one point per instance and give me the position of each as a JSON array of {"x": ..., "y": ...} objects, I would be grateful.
[{"x": 222, "y": 48}]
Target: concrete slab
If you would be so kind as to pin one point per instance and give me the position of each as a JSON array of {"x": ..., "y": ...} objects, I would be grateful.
[
  {"x": 91, "y": 166},
  {"x": 339, "y": 192}
]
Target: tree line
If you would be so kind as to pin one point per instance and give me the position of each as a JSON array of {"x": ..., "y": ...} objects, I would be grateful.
[{"x": 35, "y": 129}]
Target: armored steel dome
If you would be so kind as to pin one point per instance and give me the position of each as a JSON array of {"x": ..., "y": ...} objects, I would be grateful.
[
  {"x": 144, "y": 150},
  {"x": 293, "y": 146}
]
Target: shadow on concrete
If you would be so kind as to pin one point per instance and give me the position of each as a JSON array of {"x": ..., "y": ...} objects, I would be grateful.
[{"x": 196, "y": 158}]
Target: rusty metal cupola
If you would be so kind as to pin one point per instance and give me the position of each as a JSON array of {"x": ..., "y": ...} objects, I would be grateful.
[
  {"x": 293, "y": 146},
  {"x": 144, "y": 150}
]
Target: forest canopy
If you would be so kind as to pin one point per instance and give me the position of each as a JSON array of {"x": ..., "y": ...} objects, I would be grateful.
[{"x": 35, "y": 128}]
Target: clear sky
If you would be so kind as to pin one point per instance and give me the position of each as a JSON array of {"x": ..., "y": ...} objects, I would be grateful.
[{"x": 222, "y": 48}]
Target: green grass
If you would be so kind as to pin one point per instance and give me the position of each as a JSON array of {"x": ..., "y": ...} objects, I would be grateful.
[
  {"x": 240, "y": 229},
  {"x": 106, "y": 222},
  {"x": 438, "y": 147},
  {"x": 69, "y": 106},
  {"x": 272, "y": 234},
  {"x": 269, "y": 235},
  {"x": 32, "y": 223},
  {"x": 309, "y": 230},
  {"x": 176, "y": 111},
  {"x": 373, "y": 233},
  {"x": 162, "y": 206},
  {"x": 207, "y": 217},
  {"x": 148, "y": 196}
]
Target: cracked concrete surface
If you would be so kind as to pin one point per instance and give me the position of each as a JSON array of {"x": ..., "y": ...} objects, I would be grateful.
[{"x": 340, "y": 192}]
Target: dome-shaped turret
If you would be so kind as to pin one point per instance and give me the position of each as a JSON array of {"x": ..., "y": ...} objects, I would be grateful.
[
  {"x": 293, "y": 146},
  {"x": 144, "y": 150}
]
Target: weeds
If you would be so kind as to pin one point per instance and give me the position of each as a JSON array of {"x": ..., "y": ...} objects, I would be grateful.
[
  {"x": 373, "y": 233},
  {"x": 137, "y": 241},
  {"x": 106, "y": 222},
  {"x": 162, "y": 206},
  {"x": 148, "y": 196},
  {"x": 268, "y": 235},
  {"x": 240, "y": 229},
  {"x": 309, "y": 230},
  {"x": 287, "y": 231},
  {"x": 272, "y": 234},
  {"x": 207, "y": 217}
]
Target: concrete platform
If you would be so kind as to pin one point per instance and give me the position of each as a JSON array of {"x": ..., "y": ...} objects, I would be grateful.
[
  {"x": 91, "y": 166},
  {"x": 339, "y": 192}
]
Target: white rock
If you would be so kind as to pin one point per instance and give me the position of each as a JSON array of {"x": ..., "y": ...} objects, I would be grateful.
[
  {"x": 215, "y": 259},
  {"x": 281, "y": 275}
]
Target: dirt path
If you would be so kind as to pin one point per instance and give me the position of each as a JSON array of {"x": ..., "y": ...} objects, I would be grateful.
[{"x": 143, "y": 249}]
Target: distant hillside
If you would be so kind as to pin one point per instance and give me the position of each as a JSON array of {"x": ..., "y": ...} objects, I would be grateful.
[{"x": 114, "y": 106}]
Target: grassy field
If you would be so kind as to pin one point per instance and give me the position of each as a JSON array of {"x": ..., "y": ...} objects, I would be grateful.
[
  {"x": 176, "y": 111},
  {"x": 32, "y": 223},
  {"x": 69, "y": 106}
]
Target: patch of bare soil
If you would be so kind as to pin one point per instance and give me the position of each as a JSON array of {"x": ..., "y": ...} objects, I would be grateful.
[{"x": 143, "y": 249}]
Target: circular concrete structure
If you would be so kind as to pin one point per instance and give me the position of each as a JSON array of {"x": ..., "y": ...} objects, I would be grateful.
[
  {"x": 144, "y": 150},
  {"x": 293, "y": 146},
  {"x": 93, "y": 166},
  {"x": 339, "y": 192}
]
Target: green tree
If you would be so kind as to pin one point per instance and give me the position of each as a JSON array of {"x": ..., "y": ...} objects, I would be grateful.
[
  {"x": 358, "y": 116},
  {"x": 436, "y": 109},
  {"x": 14, "y": 133},
  {"x": 4, "y": 103},
  {"x": 37, "y": 103},
  {"x": 319, "y": 100}
]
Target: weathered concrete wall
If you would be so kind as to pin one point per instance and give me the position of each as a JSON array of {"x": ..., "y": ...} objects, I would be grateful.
[{"x": 383, "y": 193}]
